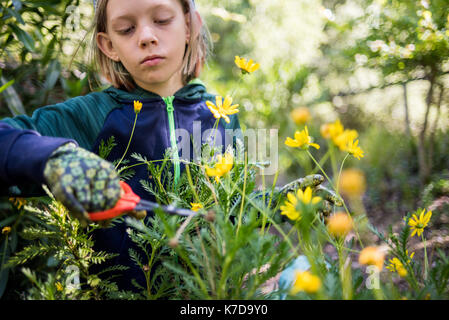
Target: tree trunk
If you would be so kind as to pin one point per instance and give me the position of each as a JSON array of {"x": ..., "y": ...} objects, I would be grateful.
[
  {"x": 407, "y": 118},
  {"x": 434, "y": 129},
  {"x": 424, "y": 169}
]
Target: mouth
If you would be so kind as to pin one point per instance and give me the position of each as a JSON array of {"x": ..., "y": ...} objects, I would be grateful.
[{"x": 152, "y": 60}]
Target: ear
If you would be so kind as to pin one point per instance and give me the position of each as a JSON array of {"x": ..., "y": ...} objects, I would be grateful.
[
  {"x": 105, "y": 45},
  {"x": 197, "y": 24}
]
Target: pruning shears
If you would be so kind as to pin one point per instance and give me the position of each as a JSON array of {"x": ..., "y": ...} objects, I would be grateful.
[{"x": 129, "y": 202}]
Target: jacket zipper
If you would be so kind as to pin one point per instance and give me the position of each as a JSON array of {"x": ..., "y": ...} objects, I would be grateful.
[{"x": 171, "y": 123}]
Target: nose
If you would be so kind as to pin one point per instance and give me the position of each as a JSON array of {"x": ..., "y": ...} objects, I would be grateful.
[{"x": 147, "y": 37}]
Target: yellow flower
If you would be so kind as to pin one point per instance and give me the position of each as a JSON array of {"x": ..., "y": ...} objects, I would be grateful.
[
  {"x": 196, "y": 206},
  {"x": 59, "y": 286},
  {"x": 137, "y": 106},
  {"x": 302, "y": 140},
  {"x": 222, "y": 109},
  {"x": 223, "y": 166},
  {"x": 341, "y": 137},
  {"x": 246, "y": 67},
  {"x": 6, "y": 230},
  {"x": 335, "y": 129},
  {"x": 18, "y": 202},
  {"x": 342, "y": 140},
  {"x": 305, "y": 281},
  {"x": 354, "y": 149},
  {"x": 418, "y": 224},
  {"x": 352, "y": 183},
  {"x": 397, "y": 266},
  {"x": 306, "y": 196},
  {"x": 325, "y": 130},
  {"x": 300, "y": 115},
  {"x": 289, "y": 207},
  {"x": 339, "y": 224},
  {"x": 372, "y": 256}
]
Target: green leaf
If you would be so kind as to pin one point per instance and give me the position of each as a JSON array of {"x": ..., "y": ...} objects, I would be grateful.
[
  {"x": 4, "y": 275},
  {"x": 52, "y": 75},
  {"x": 6, "y": 85},
  {"x": 23, "y": 37},
  {"x": 16, "y": 15}
]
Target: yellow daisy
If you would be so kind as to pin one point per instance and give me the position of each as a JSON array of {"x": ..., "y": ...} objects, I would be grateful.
[
  {"x": 301, "y": 140},
  {"x": 195, "y": 206},
  {"x": 418, "y": 224},
  {"x": 223, "y": 166},
  {"x": 354, "y": 149},
  {"x": 305, "y": 281},
  {"x": 221, "y": 109},
  {"x": 246, "y": 67},
  {"x": 289, "y": 207}
]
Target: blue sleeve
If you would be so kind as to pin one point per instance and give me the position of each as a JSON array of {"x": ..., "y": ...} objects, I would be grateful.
[
  {"x": 23, "y": 154},
  {"x": 26, "y": 142}
]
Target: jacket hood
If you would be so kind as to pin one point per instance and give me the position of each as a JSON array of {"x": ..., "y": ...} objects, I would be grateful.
[{"x": 194, "y": 90}]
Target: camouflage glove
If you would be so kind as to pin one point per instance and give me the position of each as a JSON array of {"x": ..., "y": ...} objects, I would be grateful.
[
  {"x": 82, "y": 181},
  {"x": 314, "y": 181}
]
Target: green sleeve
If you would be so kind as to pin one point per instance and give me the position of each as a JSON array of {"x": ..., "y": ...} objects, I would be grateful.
[{"x": 80, "y": 118}]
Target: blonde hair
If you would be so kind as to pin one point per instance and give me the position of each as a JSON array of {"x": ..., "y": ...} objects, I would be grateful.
[{"x": 197, "y": 50}]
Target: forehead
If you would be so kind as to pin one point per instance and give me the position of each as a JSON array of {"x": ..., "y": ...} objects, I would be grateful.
[{"x": 121, "y": 10}]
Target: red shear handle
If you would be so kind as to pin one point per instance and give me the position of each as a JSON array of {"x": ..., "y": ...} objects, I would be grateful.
[{"x": 126, "y": 203}]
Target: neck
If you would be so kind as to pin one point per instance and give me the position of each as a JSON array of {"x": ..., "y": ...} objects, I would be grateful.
[{"x": 164, "y": 89}]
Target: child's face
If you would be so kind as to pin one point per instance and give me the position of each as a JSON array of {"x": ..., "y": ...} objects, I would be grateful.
[{"x": 137, "y": 29}]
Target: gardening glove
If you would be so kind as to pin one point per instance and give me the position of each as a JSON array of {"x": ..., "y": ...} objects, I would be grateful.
[
  {"x": 314, "y": 181},
  {"x": 82, "y": 181}
]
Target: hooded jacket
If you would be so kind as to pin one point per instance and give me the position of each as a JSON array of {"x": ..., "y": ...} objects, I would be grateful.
[{"x": 27, "y": 142}]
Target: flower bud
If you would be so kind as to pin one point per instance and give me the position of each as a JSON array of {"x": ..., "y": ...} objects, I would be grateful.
[
  {"x": 137, "y": 106},
  {"x": 6, "y": 230},
  {"x": 210, "y": 216},
  {"x": 339, "y": 224},
  {"x": 352, "y": 183},
  {"x": 300, "y": 115},
  {"x": 173, "y": 243}
]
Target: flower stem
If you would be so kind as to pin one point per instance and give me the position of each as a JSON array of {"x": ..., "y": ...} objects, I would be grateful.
[
  {"x": 129, "y": 142},
  {"x": 273, "y": 223},
  {"x": 322, "y": 162},
  {"x": 321, "y": 169},
  {"x": 214, "y": 131},
  {"x": 339, "y": 173},
  {"x": 243, "y": 198},
  {"x": 426, "y": 262},
  {"x": 334, "y": 163},
  {"x": 345, "y": 278},
  {"x": 333, "y": 187},
  {"x": 4, "y": 254},
  {"x": 189, "y": 178}
]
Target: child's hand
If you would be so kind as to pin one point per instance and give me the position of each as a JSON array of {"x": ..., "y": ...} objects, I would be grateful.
[{"x": 82, "y": 181}]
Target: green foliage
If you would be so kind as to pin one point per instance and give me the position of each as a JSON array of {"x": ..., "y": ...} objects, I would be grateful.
[
  {"x": 34, "y": 36},
  {"x": 58, "y": 236},
  {"x": 232, "y": 255}
]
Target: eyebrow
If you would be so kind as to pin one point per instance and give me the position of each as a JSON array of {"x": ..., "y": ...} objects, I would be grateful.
[{"x": 130, "y": 16}]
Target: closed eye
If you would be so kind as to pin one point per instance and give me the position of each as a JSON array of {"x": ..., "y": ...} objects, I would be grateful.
[
  {"x": 162, "y": 22},
  {"x": 126, "y": 31}
]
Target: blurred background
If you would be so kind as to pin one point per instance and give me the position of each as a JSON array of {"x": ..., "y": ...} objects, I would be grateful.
[{"x": 380, "y": 66}]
